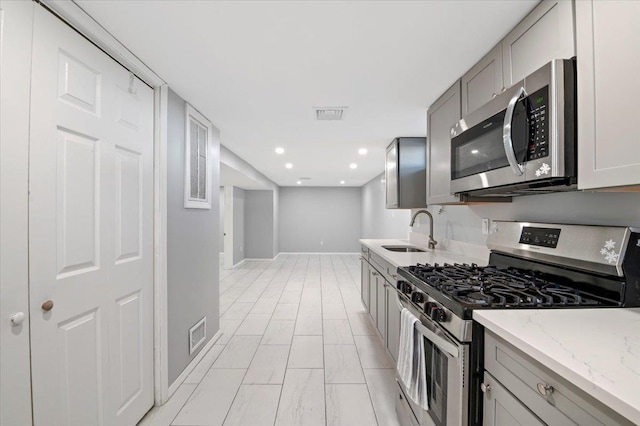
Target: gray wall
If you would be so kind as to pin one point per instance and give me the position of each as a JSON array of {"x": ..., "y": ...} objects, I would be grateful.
[
  {"x": 463, "y": 223},
  {"x": 221, "y": 219},
  {"x": 377, "y": 221},
  {"x": 192, "y": 252},
  {"x": 311, "y": 215},
  {"x": 238, "y": 225},
  {"x": 258, "y": 224}
]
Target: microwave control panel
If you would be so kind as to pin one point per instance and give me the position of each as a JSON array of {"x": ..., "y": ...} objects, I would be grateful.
[{"x": 538, "y": 124}]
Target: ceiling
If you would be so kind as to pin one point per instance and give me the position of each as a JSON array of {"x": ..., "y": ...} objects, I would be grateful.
[{"x": 256, "y": 69}]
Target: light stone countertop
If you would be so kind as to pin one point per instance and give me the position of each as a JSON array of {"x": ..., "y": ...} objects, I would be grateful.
[
  {"x": 597, "y": 350},
  {"x": 447, "y": 251}
]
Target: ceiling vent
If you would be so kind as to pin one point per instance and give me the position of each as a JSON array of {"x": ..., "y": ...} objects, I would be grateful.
[
  {"x": 304, "y": 178},
  {"x": 330, "y": 113}
]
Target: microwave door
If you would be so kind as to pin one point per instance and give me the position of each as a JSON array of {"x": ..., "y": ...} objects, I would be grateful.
[{"x": 478, "y": 155}]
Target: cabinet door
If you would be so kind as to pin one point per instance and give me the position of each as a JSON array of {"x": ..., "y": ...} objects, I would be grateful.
[
  {"x": 364, "y": 282},
  {"x": 442, "y": 115},
  {"x": 543, "y": 35},
  {"x": 482, "y": 82},
  {"x": 503, "y": 409},
  {"x": 608, "y": 36},
  {"x": 381, "y": 285},
  {"x": 391, "y": 176},
  {"x": 373, "y": 294},
  {"x": 393, "y": 323}
]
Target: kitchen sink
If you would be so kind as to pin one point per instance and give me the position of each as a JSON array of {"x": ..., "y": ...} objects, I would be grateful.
[{"x": 403, "y": 249}]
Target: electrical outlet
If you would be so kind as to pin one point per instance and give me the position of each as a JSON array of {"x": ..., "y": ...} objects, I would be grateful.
[
  {"x": 321, "y": 243},
  {"x": 485, "y": 226},
  {"x": 240, "y": 249}
]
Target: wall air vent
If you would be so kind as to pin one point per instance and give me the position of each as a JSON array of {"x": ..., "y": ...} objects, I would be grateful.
[
  {"x": 197, "y": 334},
  {"x": 330, "y": 113}
]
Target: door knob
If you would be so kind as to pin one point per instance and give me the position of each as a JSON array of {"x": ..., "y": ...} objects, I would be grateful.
[
  {"x": 17, "y": 318},
  {"x": 47, "y": 306}
]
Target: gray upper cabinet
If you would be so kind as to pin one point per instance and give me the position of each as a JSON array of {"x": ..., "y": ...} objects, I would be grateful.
[
  {"x": 443, "y": 114},
  {"x": 482, "y": 82},
  {"x": 405, "y": 173},
  {"x": 608, "y": 41},
  {"x": 547, "y": 33}
]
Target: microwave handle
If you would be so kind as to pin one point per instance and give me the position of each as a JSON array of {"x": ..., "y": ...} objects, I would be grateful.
[
  {"x": 440, "y": 342},
  {"x": 517, "y": 168}
]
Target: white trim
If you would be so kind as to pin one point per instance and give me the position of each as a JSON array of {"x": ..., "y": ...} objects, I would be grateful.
[
  {"x": 317, "y": 252},
  {"x": 228, "y": 227},
  {"x": 189, "y": 368},
  {"x": 203, "y": 323},
  {"x": 239, "y": 263},
  {"x": 160, "y": 315},
  {"x": 82, "y": 22},
  {"x": 196, "y": 203}
]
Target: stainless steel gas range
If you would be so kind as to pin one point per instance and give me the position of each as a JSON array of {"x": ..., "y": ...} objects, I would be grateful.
[{"x": 531, "y": 266}]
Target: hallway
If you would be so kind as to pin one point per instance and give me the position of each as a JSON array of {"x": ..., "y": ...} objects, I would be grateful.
[{"x": 298, "y": 349}]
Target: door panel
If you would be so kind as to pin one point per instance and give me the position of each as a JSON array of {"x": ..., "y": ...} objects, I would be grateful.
[{"x": 90, "y": 233}]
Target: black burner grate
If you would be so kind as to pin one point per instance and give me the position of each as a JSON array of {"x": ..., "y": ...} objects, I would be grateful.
[{"x": 490, "y": 286}]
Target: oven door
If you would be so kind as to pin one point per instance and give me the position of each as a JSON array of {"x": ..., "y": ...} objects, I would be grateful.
[{"x": 445, "y": 364}]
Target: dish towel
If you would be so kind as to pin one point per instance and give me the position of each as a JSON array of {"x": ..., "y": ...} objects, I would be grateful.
[{"x": 411, "y": 360}]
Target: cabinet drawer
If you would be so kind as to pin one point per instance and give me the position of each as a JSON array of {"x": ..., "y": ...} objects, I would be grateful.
[
  {"x": 503, "y": 409},
  {"x": 525, "y": 378},
  {"x": 387, "y": 270}
]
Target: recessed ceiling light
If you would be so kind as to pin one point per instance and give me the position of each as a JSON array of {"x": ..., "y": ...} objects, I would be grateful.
[
  {"x": 353, "y": 165},
  {"x": 299, "y": 182},
  {"x": 279, "y": 150},
  {"x": 341, "y": 182},
  {"x": 362, "y": 151},
  {"x": 474, "y": 151},
  {"x": 288, "y": 165}
]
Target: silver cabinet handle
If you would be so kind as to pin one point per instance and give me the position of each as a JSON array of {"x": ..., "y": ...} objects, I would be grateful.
[
  {"x": 394, "y": 276},
  {"x": 375, "y": 274},
  {"x": 545, "y": 389},
  {"x": 485, "y": 388},
  {"x": 517, "y": 168}
]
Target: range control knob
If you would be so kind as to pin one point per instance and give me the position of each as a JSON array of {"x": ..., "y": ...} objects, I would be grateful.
[
  {"x": 407, "y": 289},
  {"x": 417, "y": 297},
  {"x": 400, "y": 285},
  {"x": 438, "y": 314}
]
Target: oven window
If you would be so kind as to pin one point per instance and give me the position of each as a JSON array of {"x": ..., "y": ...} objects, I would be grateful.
[
  {"x": 437, "y": 367},
  {"x": 481, "y": 149}
]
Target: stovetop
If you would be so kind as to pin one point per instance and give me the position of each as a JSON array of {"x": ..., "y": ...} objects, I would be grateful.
[{"x": 475, "y": 286}]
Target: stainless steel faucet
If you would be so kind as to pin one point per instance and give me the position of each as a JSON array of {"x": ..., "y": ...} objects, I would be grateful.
[{"x": 432, "y": 242}]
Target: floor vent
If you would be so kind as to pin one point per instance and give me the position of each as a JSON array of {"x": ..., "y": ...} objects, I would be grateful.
[{"x": 197, "y": 334}]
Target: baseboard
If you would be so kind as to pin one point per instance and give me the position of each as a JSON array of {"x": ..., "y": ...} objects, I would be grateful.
[
  {"x": 319, "y": 252},
  {"x": 239, "y": 263},
  {"x": 189, "y": 368}
]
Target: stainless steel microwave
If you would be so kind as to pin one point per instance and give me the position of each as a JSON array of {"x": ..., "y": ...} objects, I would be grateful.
[{"x": 523, "y": 140}]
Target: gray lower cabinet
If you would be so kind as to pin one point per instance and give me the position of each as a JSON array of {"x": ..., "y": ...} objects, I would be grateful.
[
  {"x": 503, "y": 409},
  {"x": 374, "y": 276},
  {"x": 381, "y": 292},
  {"x": 364, "y": 281},
  {"x": 542, "y": 396},
  {"x": 393, "y": 323},
  {"x": 379, "y": 297}
]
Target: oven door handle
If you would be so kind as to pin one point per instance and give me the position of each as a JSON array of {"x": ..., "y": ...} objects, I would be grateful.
[
  {"x": 439, "y": 341},
  {"x": 507, "y": 141}
]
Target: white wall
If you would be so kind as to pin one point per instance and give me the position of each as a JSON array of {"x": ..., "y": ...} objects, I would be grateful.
[
  {"x": 377, "y": 221},
  {"x": 320, "y": 219},
  {"x": 463, "y": 223}
]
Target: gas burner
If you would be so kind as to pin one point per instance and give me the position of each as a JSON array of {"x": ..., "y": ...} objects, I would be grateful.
[{"x": 490, "y": 286}]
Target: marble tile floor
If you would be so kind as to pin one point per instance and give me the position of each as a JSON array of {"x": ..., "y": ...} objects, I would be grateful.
[{"x": 298, "y": 349}]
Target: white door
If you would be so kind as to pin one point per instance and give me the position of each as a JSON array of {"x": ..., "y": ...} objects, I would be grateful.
[{"x": 90, "y": 233}]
